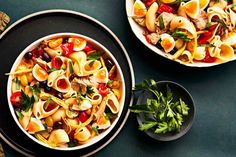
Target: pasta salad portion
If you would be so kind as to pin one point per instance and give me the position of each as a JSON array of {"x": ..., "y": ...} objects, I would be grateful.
[
  {"x": 189, "y": 31},
  {"x": 66, "y": 91}
]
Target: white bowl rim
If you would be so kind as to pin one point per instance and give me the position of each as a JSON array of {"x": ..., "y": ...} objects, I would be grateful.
[{"x": 94, "y": 42}]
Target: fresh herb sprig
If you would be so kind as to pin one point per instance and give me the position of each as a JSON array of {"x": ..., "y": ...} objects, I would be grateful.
[
  {"x": 161, "y": 114},
  {"x": 26, "y": 102},
  {"x": 180, "y": 35},
  {"x": 95, "y": 55}
]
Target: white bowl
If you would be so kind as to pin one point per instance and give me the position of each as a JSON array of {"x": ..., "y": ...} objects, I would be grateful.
[
  {"x": 138, "y": 31},
  {"x": 96, "y": 45}
]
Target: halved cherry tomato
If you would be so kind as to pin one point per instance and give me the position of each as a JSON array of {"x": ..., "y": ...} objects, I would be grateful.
[
  {"x": 83, "y": 117},
  {"x": 62, "y": 84},
  {"x": 103, "y": 90},
  {"x": 165, "y": 8},
  {"x": 204, "y": 37},
  {"x": 50, "y": 107},
  {"x": 148, "y": 3},
  {"x": 67, "y": 48},
  {"x": 88, "y": 48},
  {"x": 212, "y": 27},
  {"x": 15, "y": 99},
  {"x": 56, "y": 63},
  {"x": 208, "y": 58}
]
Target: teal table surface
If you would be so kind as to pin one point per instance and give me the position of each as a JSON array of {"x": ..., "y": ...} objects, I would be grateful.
[{"x": 213, "y": 133}]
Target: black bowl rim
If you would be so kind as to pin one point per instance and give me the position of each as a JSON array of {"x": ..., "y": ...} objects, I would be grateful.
[{"x": 181, "y": 133}]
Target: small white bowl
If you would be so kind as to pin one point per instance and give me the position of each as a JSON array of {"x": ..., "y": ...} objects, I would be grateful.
[{"x": 96, "y": 45}]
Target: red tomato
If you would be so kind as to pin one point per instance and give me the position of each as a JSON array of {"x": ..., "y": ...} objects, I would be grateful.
[
  {"x": 208, "y": 58},
  {"x": 103, "y": 90},
  {"x": 212, "y": 27},
  {"x": 61, "y": 83},
  {"x": 204, "y": 37},
  {"x": 148, "y": 3},
  {"x": 83, "y": 117},
  {"x": 88, "y": 48},
  {"x": 50, "y": 107},
  {"x": 165, "y": 8},
  {"x": 56, "y": 63},
  {"x": 67, "y": 48},
  {"x": 15, "y": 99}
]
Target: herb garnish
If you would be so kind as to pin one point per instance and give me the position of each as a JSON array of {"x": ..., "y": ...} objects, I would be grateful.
[
  {"x": 220, "y": 21},
  {"x": 26, "y": 102},
  {"x": 53, "y": 69},
  {"x": 161, "y": 22},
  {"x": 19, "y": 114},
  {"x": 71, "y": 67},
  {"x": 17, "y": 82},
  {"x": 90, "y": 90},
  {"x": 48, "y": 102},
  {"x": 95, "y": 55},
  {"x": 95, "y": 130},
  {"x": 180, "y": 35},
  {"x": 35, "y": 91},
  {"x": 206, "y": 45},
  {"x": 161, "y": 114}
]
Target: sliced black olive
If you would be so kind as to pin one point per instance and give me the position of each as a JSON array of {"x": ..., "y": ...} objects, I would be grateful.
[
  {"x": 47, "y": 89},
  {"x": 65, "y": 40},
  {"x": 58, "y": 94},
  {"x": 28, "y": 55},
  {"x": 109, "y": 63},
  {"x": 46, "y": 57}
]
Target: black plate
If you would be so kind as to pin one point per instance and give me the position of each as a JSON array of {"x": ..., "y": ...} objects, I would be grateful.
[{"x": 24, "y": 32}]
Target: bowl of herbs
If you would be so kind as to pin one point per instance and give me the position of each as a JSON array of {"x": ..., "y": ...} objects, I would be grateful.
[{"x": 165, "y": 110}]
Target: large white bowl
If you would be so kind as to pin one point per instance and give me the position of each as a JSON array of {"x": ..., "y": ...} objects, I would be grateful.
[
  {"x": 138, "y": 31},
  {"x": 97, "y": 45}
]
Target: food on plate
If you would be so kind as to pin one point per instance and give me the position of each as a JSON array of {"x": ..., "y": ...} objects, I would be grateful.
[
  {"x": 163, "y": 113},
  {"x": 192, "y": 31},
  {"x": 66, "y": 91}
]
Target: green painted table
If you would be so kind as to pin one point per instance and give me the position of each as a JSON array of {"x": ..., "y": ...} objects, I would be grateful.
[{"x": 214, "y": 131}]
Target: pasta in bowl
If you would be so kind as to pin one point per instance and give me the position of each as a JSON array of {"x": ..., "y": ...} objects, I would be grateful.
[
  {"x": 66, "y": 91},
  {"x": 196, "y": 33}
]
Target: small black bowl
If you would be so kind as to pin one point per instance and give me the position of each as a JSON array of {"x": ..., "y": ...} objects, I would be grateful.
[{"x": 178, "y": 92}]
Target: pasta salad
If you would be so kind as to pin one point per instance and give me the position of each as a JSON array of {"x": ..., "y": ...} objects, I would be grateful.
[
  {"x": 66, "y": 91},
  {"x": 189, "y": 31}
]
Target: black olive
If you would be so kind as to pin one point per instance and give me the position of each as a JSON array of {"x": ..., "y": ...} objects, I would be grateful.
[
  {"x": 58, "y": 94},
  {"x": 71, "y": 77},
  {"x": 42, "y": 84},
  {"x": 28, "y": 55},
  {"x": 58, "y": 125},
  {"x": 65, "y": 40},
  {"x": 46, "y": 57},
  {"x": 47, "y": 89},
  {"x": 109, "y": 63}
]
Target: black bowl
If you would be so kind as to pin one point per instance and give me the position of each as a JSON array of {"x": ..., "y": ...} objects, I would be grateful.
[{"x": 178, "y": 92}]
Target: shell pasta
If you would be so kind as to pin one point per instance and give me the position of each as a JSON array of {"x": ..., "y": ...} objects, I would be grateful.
[
  {"x": 190, "y": 31},
  {"x": 66, "y": 91}
]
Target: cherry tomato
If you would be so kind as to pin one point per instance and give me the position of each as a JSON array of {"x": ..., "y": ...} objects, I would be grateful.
[
  {"x": 148, "y": 3},
  {"x": 15, "y": 98},
  {"x": 83, "y": 117},
  {"x": 50, "y": 107},
  {"x": 88, "y": 48},
  {"x": 56, "y": 63},
  {"x": 208, "y": 58},
  {"x": 67, "y": 48},
  {"x": 165, "y": 8},
  {"x": 204, "y": 37},
  {"x": 103, "y": 90},
  {"x": 212, "y": 27}
]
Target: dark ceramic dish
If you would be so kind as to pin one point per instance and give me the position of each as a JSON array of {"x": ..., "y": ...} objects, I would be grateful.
[{"x": 178, "y": 92}]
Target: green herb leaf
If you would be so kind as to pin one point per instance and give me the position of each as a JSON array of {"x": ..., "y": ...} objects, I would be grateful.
[
  {"x": 210, "y": 24},
  {"x": 17, "y": 82},
  {"x": 53, "y": 69},
  {"x": 180, "y": 35},
  {"x": 72, "y": 143},
  {"x": 142, "y": 108},
  {"x": 35, "y": 91},
  {"x": 71, "y": 67},
  {"x": 47, "y": 102},
  {"x": 161, "y": 22},
  {"x": 95, "y": 130},
  {"x": 162, "y": 128},
  {"x": 143, "y": 85},
  {"x": 231, "y": 5},
  {"x": 184, "y": 107},
  {"x": 147, "y": 125},
  {"x": 90, "y": 90},
  {"x": 110, "y": 116},
  {"x": 168, "y": 93},
  {"x": 220, "y": 21},
  {"x": 26, "y": 102},
  {"x": 206, "y": 45},
  {"x": 95, "y": 55},
  {"x": 19, "y": 114}
]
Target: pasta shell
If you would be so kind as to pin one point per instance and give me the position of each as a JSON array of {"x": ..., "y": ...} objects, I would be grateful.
[
  {"x": 62, "y": 84},
  {"x": 53, "y": 76},
  {"x": 35, "y": 125},
  {"x": 185, "y": 56},
  {"x": 82, "y": 134},
  {"x": 151, "y": 17},
  {"x": 232, "y": 18},
  {"x": 91, "y": 67},
  {"x": 96, "y": 99},
  {"x": 101, "y": 76},
  {"x": 183, "y": 23},
  {"x": 53, "y": 52},
  {"x": 226, "y": 52},
  {"x": 58, "y": 137},
  {"x": 102, "y": 123},
  {"x": 231, "y": 39},
  {"x": 113, "y": 103},
  {"x": 216, "y": 11},
  {"x": 200, "y": 53},
  {"x": 26, "y": 119},
  {"x": 40, "y": 112}
]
